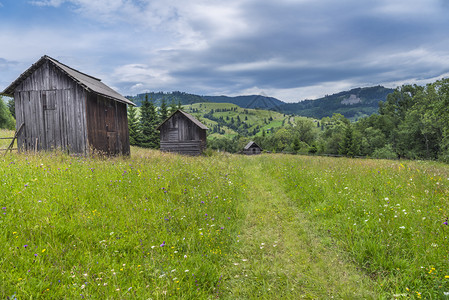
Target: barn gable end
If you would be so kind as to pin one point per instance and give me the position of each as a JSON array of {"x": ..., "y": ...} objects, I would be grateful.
[{"x": 182, "y": 133}]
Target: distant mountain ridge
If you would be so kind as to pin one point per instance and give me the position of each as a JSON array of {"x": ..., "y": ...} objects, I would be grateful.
[
  {"x": 352, "y": 104},
  {"x": 252, "y": 101}
]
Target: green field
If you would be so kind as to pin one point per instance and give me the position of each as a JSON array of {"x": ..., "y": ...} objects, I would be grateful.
[{"x": 162, "y": 226}]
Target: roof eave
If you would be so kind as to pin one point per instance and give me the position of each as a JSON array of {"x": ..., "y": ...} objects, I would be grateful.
[{"x": 9, "y": 91}]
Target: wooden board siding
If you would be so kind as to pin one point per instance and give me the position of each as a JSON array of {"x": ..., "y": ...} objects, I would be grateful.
[
  {"x": 252, "y": 151},
  {"x": 107, "y": 125},
  {"x": 183, "y": 147},
  {"x": 179, "y": 134},
  {"x": 52, "y": 107}
]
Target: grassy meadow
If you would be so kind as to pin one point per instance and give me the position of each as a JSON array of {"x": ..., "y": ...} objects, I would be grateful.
[
  {"x": 160, "y": 226},
  {"x": 264, "y": 119}
]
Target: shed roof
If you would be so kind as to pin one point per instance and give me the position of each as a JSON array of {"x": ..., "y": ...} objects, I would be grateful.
[
  {"x": 88, "y": 82},
  {"x": 250, "y": 144},
  {"x": 189, "y": 116}
]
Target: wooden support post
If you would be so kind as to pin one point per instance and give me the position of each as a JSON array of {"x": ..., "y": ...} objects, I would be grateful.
[{"x": 14, "y": 138}]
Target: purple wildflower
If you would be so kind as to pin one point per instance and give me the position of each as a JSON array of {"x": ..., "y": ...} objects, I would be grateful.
[
  {"x": 445, "y": 223},
  {"x": 163, "y": 244},
  {"x": 24, "y": 246}
]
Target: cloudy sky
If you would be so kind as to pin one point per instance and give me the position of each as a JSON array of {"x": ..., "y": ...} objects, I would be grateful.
[{"x": 288, "y": 49}]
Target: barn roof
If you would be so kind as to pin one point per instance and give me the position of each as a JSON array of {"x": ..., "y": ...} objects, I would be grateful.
[
  {"x": 189, "y": 116},
  {"x": 250, "y": 144},
  {"x": 88, "y": 82}
]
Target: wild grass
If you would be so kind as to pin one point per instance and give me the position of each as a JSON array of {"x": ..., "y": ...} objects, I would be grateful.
[
  {"x": 158, "y": 225},
  {"x": 155, "y": 226},
  {"x": 391, "y": 217}
]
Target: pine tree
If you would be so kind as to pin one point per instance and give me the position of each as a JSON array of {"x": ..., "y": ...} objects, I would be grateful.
[
  {"x": 149, "y": 137},
  {"x": 348, "y": 146},
  {"x": 133, "y": 126},
  {"x": 163, "y": 111}
]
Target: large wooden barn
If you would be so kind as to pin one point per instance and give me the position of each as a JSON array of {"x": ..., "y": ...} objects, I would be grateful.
[
  {"x": 182, "y": 133},
  {"x": 62, "y": 108}
]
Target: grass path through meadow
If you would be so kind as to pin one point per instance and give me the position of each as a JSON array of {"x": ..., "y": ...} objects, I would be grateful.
[{"x": 280, "y": 253}]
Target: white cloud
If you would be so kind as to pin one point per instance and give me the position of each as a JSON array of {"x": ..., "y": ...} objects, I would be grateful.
[
  {"x": 54, "y": 3},
  {"x": 406, "y": 8},
  {"x": 141, "y": 75}
]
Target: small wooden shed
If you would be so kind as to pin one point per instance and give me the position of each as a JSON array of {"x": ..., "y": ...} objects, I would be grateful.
[
  {"x": 182, "y": 133},
  {"x": 63, "y": 108},
  {"x": 252, "y": 149}
]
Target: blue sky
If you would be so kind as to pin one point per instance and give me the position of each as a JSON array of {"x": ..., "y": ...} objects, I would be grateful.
[{"x": 289, "y": 49}]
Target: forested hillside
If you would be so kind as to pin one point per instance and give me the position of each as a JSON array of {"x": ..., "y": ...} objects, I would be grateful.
[
  {"x": 174, "y": 97},
  {"x": 252, "y": 101},
  {"x": 353, "y": 104}
]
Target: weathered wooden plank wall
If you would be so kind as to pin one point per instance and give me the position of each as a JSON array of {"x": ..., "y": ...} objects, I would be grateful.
[
  {"x": 107, "y": 125},
  {"x": 52, "y": 106},
  {"x": 179, "y": 134},
  {"x": 184, "y": 147}
]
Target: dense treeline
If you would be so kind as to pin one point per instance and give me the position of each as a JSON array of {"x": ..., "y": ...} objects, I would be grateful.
[{"x": 412, "y": 123}]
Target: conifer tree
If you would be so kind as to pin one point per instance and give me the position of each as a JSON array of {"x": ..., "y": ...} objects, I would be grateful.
[
  {"x": 133, "y": 126},
  {"x": 348, "y": 145},
  {"x": 180, "y": 105},
  {"x": 163, "y": 111},
  {"x": 149, "y": 137}
]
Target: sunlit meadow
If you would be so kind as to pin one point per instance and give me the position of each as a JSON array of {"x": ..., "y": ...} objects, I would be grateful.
[{"x": 159, "y": 226}]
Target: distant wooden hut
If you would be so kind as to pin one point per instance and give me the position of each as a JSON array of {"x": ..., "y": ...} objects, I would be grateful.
[
  {"x": 252, "y": 149},
  {"x": 63, "y": 108},
  {"x": 182, "y": 133}
]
